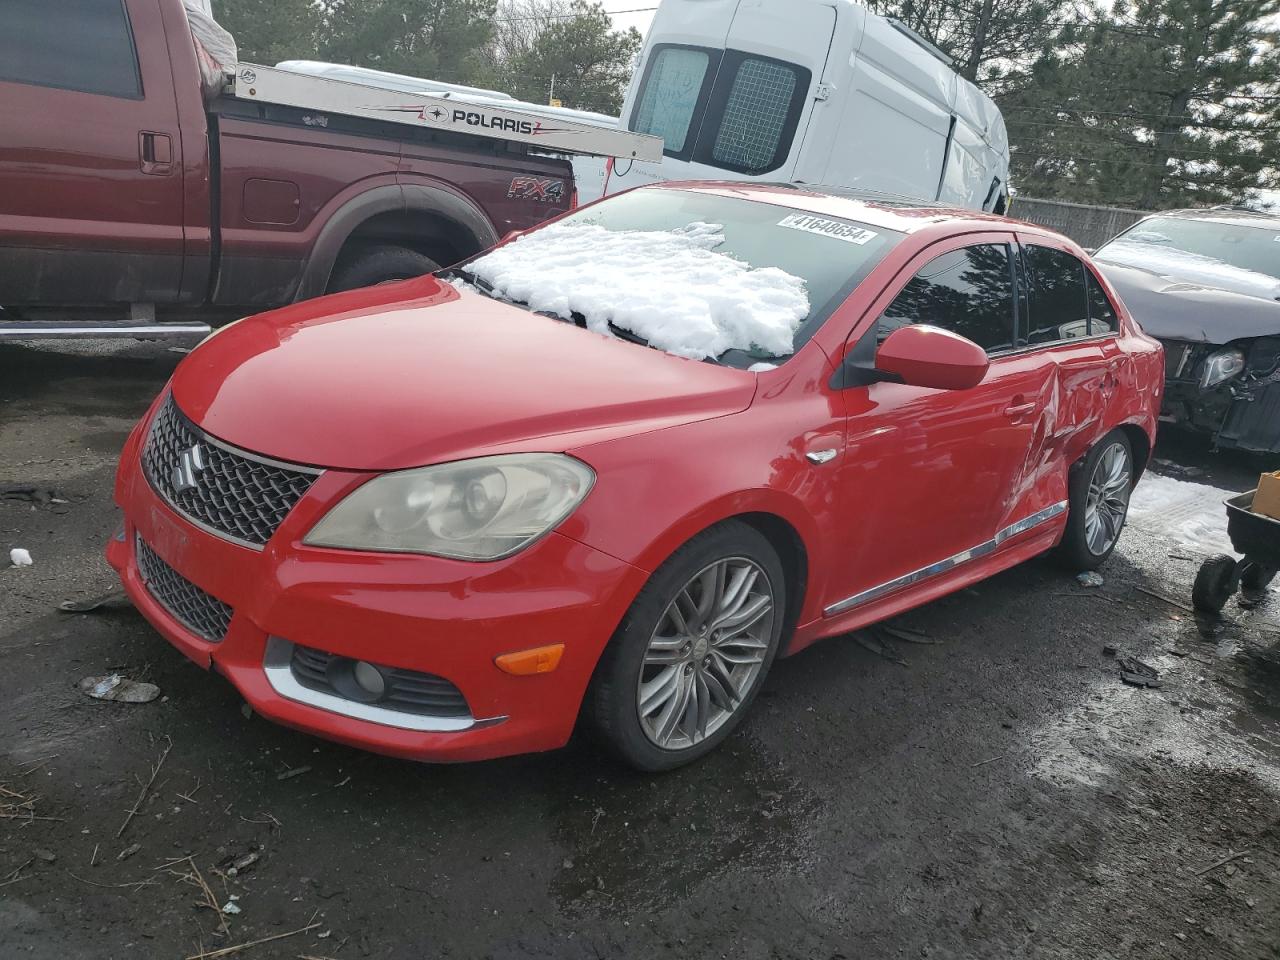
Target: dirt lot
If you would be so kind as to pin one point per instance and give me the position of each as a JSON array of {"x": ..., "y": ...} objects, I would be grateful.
[{"x": 998, "y": 793}]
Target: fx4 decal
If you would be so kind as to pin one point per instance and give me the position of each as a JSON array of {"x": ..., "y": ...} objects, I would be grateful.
[{"x": 538, "y": 189}]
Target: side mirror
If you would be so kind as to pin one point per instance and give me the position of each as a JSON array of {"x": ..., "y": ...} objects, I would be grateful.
[{"x": 925, "y": 356}]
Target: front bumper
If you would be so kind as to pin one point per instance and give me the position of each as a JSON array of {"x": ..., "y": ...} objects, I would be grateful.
[
  {"x": 1242, "y": 413},
  {"x": 441, "y": 617}
]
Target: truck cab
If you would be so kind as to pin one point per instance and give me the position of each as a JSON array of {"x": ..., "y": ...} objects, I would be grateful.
[{"x": 811, "y": 91}]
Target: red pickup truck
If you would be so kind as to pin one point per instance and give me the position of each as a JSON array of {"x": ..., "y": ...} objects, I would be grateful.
[{"x": 132, "y": 194}]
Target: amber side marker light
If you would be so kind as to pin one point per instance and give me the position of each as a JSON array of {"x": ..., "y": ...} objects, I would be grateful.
[{"x": 525, "y": 663}]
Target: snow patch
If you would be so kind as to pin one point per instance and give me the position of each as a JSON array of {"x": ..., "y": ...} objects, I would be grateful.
[
  {"x": 1190, "y": 513},
  {"x": 20, "y": 558},
  {"x": 671, "y": 288}
]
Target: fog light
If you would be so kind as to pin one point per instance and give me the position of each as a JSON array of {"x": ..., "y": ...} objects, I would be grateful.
[{"x": 369, "y": 679}]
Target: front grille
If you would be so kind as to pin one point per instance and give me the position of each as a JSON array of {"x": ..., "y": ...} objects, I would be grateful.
[
  {"x": 202, "y": 614},
  {"x": 407, "y": 691},
  {"x": 225, "y": 490}
]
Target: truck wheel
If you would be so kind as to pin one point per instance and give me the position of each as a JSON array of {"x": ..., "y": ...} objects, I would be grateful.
[{"x": 371, "y": 265}]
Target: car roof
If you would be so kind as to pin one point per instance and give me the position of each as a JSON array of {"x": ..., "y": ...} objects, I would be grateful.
[
  {"x": 865, "y": 206},
  {"x": 1236, "y": 215}
]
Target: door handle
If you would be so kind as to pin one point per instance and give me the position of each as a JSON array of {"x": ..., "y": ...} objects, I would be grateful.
[
  {"x": 1017, "y": 411},
  {"x": 155, "y": 153}
]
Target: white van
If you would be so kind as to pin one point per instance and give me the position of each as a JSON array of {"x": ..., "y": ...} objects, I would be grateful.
[{"x": 811, "y": 91}]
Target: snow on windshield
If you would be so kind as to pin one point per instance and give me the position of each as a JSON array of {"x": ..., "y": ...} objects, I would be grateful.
[
  {"x": 1149, "y": 250},
  {"x": 671, "y": 288}
]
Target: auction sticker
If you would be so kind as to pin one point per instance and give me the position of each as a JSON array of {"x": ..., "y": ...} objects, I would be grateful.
[{"x": 836, "y": 229}]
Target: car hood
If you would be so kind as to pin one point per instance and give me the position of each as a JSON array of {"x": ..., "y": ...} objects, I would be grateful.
[
  {"x": 408, "y": 374},
  {"x": 1174, "y": 308}
]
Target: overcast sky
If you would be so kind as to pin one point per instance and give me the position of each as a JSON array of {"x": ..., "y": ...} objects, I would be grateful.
[{"x": 639, "y": 20}]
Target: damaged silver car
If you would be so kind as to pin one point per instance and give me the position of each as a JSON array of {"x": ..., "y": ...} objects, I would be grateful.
[{"x": 1206, "y": 283}]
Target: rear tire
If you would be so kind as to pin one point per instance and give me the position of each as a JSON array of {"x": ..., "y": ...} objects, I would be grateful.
[
  {"x": 379, "y": 264},
  {"x": 1098, "y": 497},
  {"x": 1217, "y": 580},
  {"x": 671, "y": 686}
]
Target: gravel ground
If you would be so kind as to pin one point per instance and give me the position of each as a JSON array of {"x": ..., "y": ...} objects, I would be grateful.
[{"x": 998, "y": 793}]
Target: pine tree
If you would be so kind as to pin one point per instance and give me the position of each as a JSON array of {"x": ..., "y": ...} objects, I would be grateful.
[
  {"x": 1156, "y": 103},
  {"x": 268, "y": 32}
]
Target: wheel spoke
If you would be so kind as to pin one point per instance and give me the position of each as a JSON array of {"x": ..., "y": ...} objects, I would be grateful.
[
  {"x": 676, "y": 707},
  {"x": 658, "y": 691},
  {"x": 745, "y": 616},
  {"x": 665, "y": 650}
]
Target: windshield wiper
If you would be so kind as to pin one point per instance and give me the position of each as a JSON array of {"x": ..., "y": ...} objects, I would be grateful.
[{"x": 624, "y": 334}]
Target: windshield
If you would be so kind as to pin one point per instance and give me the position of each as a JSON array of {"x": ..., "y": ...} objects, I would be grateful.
[
  {"x": 694, "y": 274},
  {"x": 1235, "y": 254}
]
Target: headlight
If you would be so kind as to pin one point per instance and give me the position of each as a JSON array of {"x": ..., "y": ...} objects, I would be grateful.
[
  {"x": 1221, "y": 366},
  {"x": 483, "y": 509}
]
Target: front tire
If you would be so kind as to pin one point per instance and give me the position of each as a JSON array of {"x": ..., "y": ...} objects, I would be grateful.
[
  {"x": 1098, "y": 494},
  {"x": 692, "y": 652},
  {"x": 379, "y": 264}
]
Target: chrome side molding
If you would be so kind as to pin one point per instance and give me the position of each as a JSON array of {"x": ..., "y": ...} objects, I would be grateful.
[{"x": 942, "y": 566}]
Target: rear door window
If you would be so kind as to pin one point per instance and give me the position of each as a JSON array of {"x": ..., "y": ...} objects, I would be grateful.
[
  {"x": 675, "y": 84},
  {"x": 1102, "y": 315},
  {"x": 967, "y": 291},
  {"x": 83, "y": 45},
  {"x": 1059, "y": 300},
  {"x": 753, "y": 113}
]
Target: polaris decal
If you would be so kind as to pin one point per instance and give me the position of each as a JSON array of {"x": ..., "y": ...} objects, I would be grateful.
[
  {"x": 538, "y": 189},
  {"x": 836, "y": 229},
  {"x": 476, "y": 118}
]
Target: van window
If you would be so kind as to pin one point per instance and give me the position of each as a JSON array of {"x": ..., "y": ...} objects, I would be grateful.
[
  {"x": 85, "y": 45},
  {"x": 674, "y": 83},
  {"x": 967, "y": 291},
  {"x": 752, "y": 114}
]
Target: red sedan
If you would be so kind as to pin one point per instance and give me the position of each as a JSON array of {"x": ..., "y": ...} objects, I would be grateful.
[{"x": 612, "y": 468}]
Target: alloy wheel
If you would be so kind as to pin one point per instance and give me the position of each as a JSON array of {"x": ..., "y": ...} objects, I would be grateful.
[
  {"x": 706, "y": 654},
  {"x": 1107, "y": 502}
]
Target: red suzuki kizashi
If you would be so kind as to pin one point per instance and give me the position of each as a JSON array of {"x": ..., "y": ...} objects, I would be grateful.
[{"x": 613, "y": 467}]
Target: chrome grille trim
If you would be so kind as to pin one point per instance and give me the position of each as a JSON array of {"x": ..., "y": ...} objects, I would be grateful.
[
  {"x": 199, "y": 611},
  {"x": 942, "y": 566},
  {"x": 228, "y": 492}
]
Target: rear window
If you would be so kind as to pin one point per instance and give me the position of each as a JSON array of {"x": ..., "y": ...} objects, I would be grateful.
[
  {"x": 692, "y": 273},
  {"x": 673, "y": 85},
  {"x": 753, "y": 113},
  {"x": 724, "y": 108},
  {"x": 1059, "y": 306},
  {"x": 83, "y": 45}
]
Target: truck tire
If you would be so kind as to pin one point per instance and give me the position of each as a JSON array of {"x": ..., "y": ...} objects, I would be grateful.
[{"x": 370, "y": 265}]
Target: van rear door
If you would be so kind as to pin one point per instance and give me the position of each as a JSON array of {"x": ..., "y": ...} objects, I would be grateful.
[{"x": 735, "y": 112}]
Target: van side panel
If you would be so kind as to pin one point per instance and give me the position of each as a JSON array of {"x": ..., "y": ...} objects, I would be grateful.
[{"x": 893, "y": 131}]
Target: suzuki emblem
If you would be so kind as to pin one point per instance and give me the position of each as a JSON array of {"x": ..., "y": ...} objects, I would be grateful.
[{"x": 186, "y": 472}]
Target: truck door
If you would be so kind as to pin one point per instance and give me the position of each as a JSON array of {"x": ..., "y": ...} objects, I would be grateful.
[
  {"x": 90, "y": 168},
  {"x": 737, "y": 107}
]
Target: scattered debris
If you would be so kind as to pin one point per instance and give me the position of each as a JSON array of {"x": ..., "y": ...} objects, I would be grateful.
[
  {"x": 115, "y": 600},
  {"x": 1090, "y": 578},
  {"x": 983, "y": 763},
  {"x": 129, "y": 851},
  {"x": 227, "y": 951},
  {"x": 906, "y": 634},
  {"x": 195, "y": 878},
  {"x": 16, "y": 875},
  {"x": 142, "y": 795},
  {"x": 1109, "y": 651},
  {"x": 1169, "y": 600},
  {"x": 1136, "y": 673},
  {"x": 20, "y": 557},
  {"x": 240, "y": 864},
  {"x": 1220, "y": 863},
  {"x": 119, "y": 689},
  {"x": 48, "y": 856},
  {"x": 231, "y": 908},
  {"x": 869, "y": 641},
  {"x": 295, "y": 772},
  {"x": 29, "y": 493}
]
